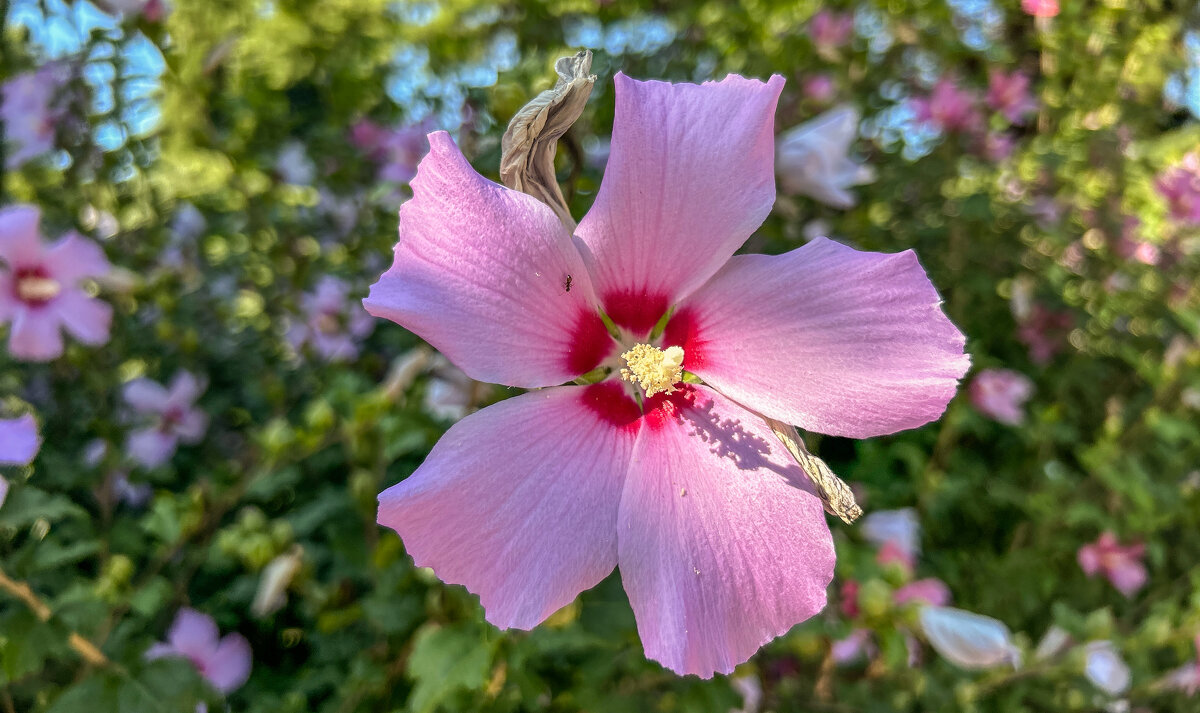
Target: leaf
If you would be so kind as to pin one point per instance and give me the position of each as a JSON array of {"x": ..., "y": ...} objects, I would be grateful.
[
  {"x": 26, "y": 505},
  {"x": 446, "y": 660},
  {"x": 26, "y": 644}
]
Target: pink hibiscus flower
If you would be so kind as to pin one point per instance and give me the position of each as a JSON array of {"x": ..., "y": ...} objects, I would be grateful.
[
  {"x": 1000, "y": 394},
  {"x": 397, "y": 151},
  {"x": 930, "y": 591},
  {"x": 40, "y": 293},
  {"x": 830, "y": 30},
  {"x": 683, "y": 486},
  {"x": 19, "y": 443},
  {"x": 1009, "y": 95},
  {"x": 1180, "y": 186},
  {"x": 28, "y": 113},
  {"x": 1120, "y": 565},
  {"x": 1040, "y": 8},
  {"x": 333, "y": 324},
  {"x": 949, "y": 108},
  {"x": 174, "y": 417},
  {"x": 222, "y": 661}
]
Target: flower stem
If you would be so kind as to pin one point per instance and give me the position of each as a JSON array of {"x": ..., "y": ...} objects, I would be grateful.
[{"x": 82, "y": 646}]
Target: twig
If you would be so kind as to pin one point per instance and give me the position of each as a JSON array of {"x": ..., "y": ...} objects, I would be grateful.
[{"x": 82, "y": 646}]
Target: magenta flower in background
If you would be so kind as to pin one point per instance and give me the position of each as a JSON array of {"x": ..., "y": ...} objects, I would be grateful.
[
  {"x": 40, "y": 292},
  {"x": 172, "y": 414},
  {"x": 152, "y": 10},
  {"x": 223, "y": 661},
  {"x": 1179, "y": 185},
  {"x": 830, "y": 30},
  {"x": 1040, "y": 8},
  {"x": 812, "y": 158},
  {"x": 397, "y": 151},
  {"x": 819, "y": 88},
  {"x": 1009, "y": 95},
  {"x": 28, "y": 113},
  {"x": 930, "y": 591},
  {"x": 720, "y": 542},
  {"x": 949, "y": 108},
  {"x": 1044, "y": 331},
  {"x": 1000, "y": 394},
  {"x": 333, "y": 324},
  {"x": 19, "y": 443},
  {"x": 1120, "y": 564}
]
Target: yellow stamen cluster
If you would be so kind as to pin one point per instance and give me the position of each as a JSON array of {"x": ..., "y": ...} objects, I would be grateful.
[
  {"x": 37, "y": 289},
  {"x": 655, "y": 370}
]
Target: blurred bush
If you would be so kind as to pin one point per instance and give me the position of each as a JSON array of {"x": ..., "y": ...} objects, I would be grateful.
[{"x": 230, "y": 155}]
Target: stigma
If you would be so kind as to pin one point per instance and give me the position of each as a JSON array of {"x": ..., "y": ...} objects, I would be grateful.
[
  {"x": 655, "y": 370},
  {"x": 37, "y": 289}
]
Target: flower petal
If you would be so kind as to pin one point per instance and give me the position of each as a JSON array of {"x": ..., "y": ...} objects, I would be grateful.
[
  {"x": 151, "y": 447},
  {"x": 191, "y": 425},
  {"x": 966, "y": 639},
  {"x": 74, "y": 257},
  {"x": 86, "y": 318},
  {"x": 489, "y": 277},
  {"x": 35, "y": 335},
  {"x": 20, "y": 242},
  {"x": 689, "y": 178},
  {"x": 184, "y": 389},
  {"x": 722, "y": 544},
  {"x": 518, "y": 502},
  {"x": 146, "y": 396},
  {"x": 193, "y": 634},
  {"x": 229, "y": 665},
  {"x": 19, "y": 441},
  {"x": 825, "y": 337}
]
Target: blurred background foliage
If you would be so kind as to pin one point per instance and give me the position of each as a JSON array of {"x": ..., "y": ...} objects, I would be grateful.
[{"x": 210, "y": 151}]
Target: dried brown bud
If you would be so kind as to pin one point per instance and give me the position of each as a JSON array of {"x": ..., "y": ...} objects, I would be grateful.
[
  {"x": 835, "y": 494},
  {"x": 528, "y": 147}
]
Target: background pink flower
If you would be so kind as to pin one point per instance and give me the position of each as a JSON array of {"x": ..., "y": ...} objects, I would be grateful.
[
  {"x": 930, "y": 591},
  {"x": 1001, "y": 394},
  {"x": 1040, "y": 8},
  {"x": 40, "y": 293},
  {"x": 173, "y": 415},
  {"x": 949, "y": 108},
  {"x": 1180, "y": 186},
  {"x": 28, "y": 112},
  {"x": 1009, "y": 95},
  {"x": 333, "y": 323},
  {"x": 1120, "y": 564},
  {"x": 830, "y": 30},
  {"x": 19, "y": 443},
  {"x": 223, "y": 661},
  {"x": 19, "y": 440},
  {"x": 722, "y": 545},
  {"x": 397, "y": 151}
]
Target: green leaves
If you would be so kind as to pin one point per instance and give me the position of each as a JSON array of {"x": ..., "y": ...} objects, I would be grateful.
[{"x": 447, "y": 661}]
